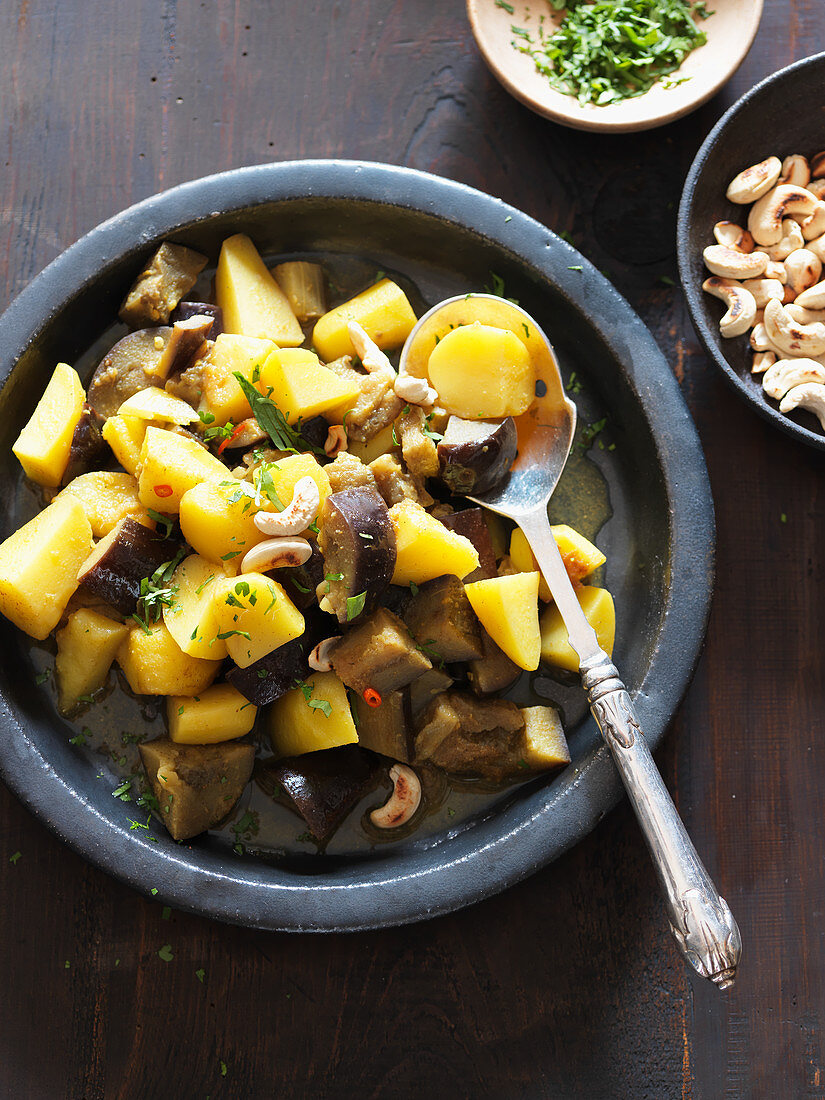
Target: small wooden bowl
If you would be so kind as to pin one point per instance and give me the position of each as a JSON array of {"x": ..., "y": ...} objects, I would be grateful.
[{"x": 730, "y": 31}]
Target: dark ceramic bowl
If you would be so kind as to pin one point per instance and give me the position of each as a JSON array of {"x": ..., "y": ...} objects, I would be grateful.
[
  {"x": 445, "y": 239},
  {"x": 780, "y": 116}
]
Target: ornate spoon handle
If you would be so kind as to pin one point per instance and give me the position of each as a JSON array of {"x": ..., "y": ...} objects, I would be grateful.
[{"x": 700, "y": 919}]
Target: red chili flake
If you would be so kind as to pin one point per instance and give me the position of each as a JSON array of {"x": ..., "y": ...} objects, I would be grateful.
[
  {"x": 229, "y": 439},
  {"x": 372, "y": 698},
  {"x": 163, "y": 490}
]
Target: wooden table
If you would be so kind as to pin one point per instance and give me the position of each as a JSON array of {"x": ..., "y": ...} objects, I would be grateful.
[{"x": 568, "y": 985}]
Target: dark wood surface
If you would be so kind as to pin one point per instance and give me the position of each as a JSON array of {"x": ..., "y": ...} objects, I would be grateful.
[{"x": 568, "y": 985}]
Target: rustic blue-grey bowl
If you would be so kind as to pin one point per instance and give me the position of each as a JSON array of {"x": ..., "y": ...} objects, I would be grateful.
[{"x": 660, "y": 538}]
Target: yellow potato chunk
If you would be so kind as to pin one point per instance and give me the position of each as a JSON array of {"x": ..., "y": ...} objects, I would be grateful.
[
  {"x": 86, "y": 647},
  {"x": 221, "y": 395},
  {"x": 255, "y": 616},
  {"x": 43, "y": 445},
  {"x": 107, "y": 497},
  {"x": 382, "y": 310},
  {"x": 154, "y": 664},
  {"x": 153, "y": 403},
  {"x": 579, "y": 555},
  {"x": 597, "y": 605},
  {"x": 287, "y": 472},
  {"x": 191, "y": 618},
  {"x": 426, "y": 548},
  {"x": 217, "y": 521},
  {"x": 509, "y": 611},
  {"x": 524, "y": 560},
  {"x": 171, "y": 464},
  {"x": 543, "y": 742},
  {"x": 221, "y": 713},
  {"x": 301, "y": 387},
  {"x": 39, "y": 565},
  {"x": 252, "y": 302},
  {"x": 481, "y": 371},
  {"x": 298, "y": 724},
  {"x": 125, "y": 435}
]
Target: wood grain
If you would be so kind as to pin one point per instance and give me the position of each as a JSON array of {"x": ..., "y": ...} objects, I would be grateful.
[{"x": 566, "y": 986}]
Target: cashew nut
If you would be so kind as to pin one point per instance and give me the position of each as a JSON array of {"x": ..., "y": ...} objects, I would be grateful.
[
  {"x": 732, "y": 264},
  {"x": 371, "y": 356},
  {"x": 402, "y": 803},
  {"x": 817, "y": 187},
  {"x": 803, "y": 269},
  {"x": 754, "y": 182},
  {"x": 805, "y": 316},
  {"x": 776, "y": 270},
  {"x": 814, "y": 226},
  {"x": 740, "y": 302},
  {"x": 796, "y": 171},
  {"x": 817, "y": 247},
  {"x": 298, "y": 514},
  {"x": 733, "y": 236},
  {"x": 810, "y": 396},
  {"x": 766, "y": 215},
  {"x": 790, "y": 240},
  {"x": 276, "y": 554},
  {"x": 818, "y": 165},
  {"x": 787, "y": 373},
  {"x": 813, "y": 297},
  {"x": 789, "y": 336},
  {"x": 336, "y": 440},
  {"x": 416, "y": 391},
  {"x": 320, "y": 659},
  {"x": 761, "y": 361},
  {"x": 763, "y": 289},
  {"x": 760, "y": 341}
]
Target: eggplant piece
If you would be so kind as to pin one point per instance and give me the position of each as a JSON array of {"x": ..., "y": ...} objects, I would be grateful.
[
  {"x": 423, "y": 690},
  {"x": 443, "y": 622},
  {"x": 380, "y": 653},
  {"x": 314, "y": 431},
  {"x": 388, "y": 728},
  {"x": 196, "y": 785},
  {"x": 187, "y": 343},
  {"x": 471, "y": 737},
  {"x": 114, "y": 569},
  {"x": 476, "y": 455},
  {"x": 349, "y": 472},
  {"x": 358, "y": 543},
  {"x": 170, "y": 273},
  {"x": 324, "y": 786},
  {"x": 134, "y": 363},
  {"x": 472, "y": 525},
  {"x": 301, "y": 581},
  {"x": 396, "y": 598},
  {"x": 184, "y": 310},
  {"x": 88, "y": 445},
  {"x": 493, "y": 671},
  {"x": 270, "y": 677}
]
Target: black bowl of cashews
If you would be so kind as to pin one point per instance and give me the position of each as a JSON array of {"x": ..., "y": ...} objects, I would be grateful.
[{"x": 751, "y": 244}]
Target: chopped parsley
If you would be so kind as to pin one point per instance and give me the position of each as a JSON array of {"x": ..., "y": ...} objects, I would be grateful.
[
  {"x": 314, "y": 704},
  {"x": 273, "y": 421},
  {"x": 298, "y": 585},
  {"x": 80, "y": 738},
  {"x": 15, "y": 857},
  {"x": 156, "y": 592},
  {"x": 436, "y": 437},
  {"x": 43, "y": 676},
  {"x": 355, "y": 605},
  {"x": 122, "y": 792},
  {"x": 166, "y": 912},
  {"x": 166, "y": 953},
  {"x": 200, "y": 975},
  {"x": 166, "y": 522},
  {"x": 497, "y": 287},
  {"x": 611, "y": 50}
]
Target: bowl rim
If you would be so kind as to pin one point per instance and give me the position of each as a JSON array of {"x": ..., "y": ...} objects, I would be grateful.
[
  {"x": 489, "y": 854},
  {"x": 694, "y": 294},
  {"x": 576, "y": 118}
]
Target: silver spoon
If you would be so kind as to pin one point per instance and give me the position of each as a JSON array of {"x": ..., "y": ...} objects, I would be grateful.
[{"x": 700, "y": 920}]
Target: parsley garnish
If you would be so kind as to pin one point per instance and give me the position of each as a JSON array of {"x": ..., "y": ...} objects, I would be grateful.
[
  {"x": 314, "y": 704},
  {"x": 436, "y": 437},
  {"x": 272, "y": 420},
  {"x": 611, "y": 50},
  {"x": 166, "y": 953},
  {"x": 80, "y": 738},
  {"x": 156, "y": 592},
  {"x": 122, "y": 792},
  {"x": 200, "y": 975},
  {"x": 165, "y": 521},
  {"x": 43, "y": 676},
  {"x": 14, "y": 858},
  {"x": 507, "y": 7},
  {"x": 298, "y": 585},
  {"x": 497, "y": 285},
  {"x": 355, "y": 605}
]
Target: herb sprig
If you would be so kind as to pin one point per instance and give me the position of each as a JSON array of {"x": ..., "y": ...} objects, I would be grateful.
[
  {"x": 611, "y": 50},
  {"x": 157, "y": 593}
]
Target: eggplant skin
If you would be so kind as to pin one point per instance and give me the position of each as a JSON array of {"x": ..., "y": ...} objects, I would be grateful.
[
  {"x": 124, "y": 557},
  {"x": 273, "y": 675},
  {"x": 184, "y": 310},
  {"x": 88, "y": 445},
  {"x": 479, "y": 464},
  {"x": 358, "y": 542},
  {"x": 470, "y": 523},
  {"x": 324, "y": 786}
]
